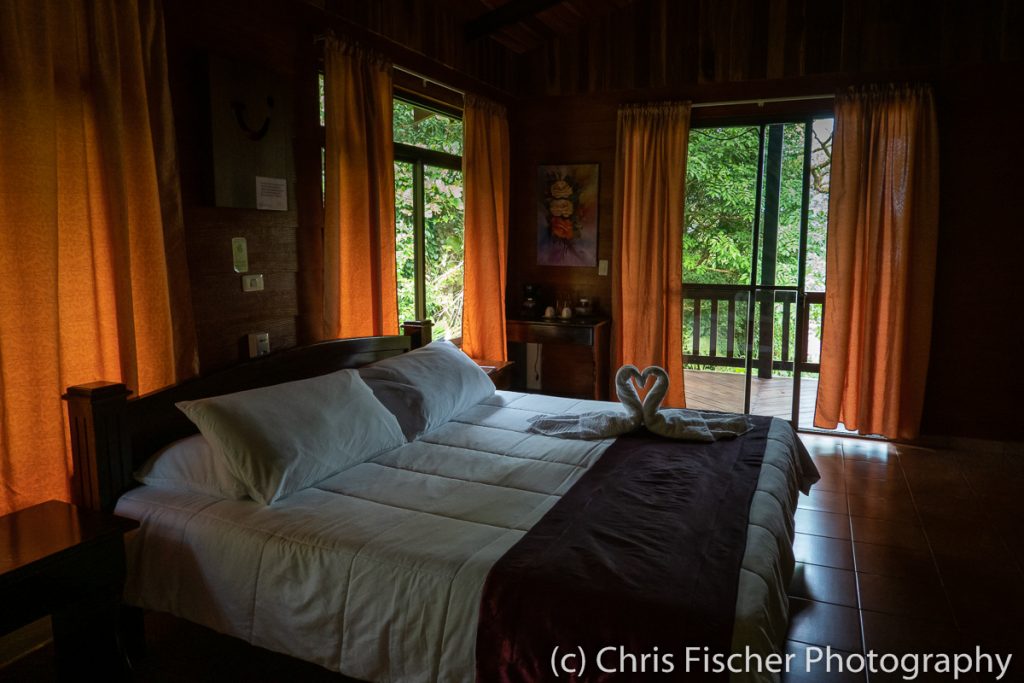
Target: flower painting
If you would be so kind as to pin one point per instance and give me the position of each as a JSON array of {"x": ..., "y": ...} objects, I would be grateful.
[{"x": 567, "y": 215}]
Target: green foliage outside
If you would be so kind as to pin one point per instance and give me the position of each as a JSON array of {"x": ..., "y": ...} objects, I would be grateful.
[
  {"x": 721, "y": 200},
  {"x": 421, "y": 127},
  {"x": 443, "y": 225},
  {"x": 444, "y": 228},
  {"x": 405, "y": 244},
  {"x": 721, "y": 176}
]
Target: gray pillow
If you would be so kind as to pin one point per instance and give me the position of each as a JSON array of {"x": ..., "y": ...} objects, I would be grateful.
[
  {"x": 448, "y": 380},
  {"x": 405, "y": 402}
]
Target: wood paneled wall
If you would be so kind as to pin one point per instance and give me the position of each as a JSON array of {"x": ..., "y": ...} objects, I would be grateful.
[
  {"x": 280, "y": 36},
  {"x": 571, "y": 130},
  {"x": 654, "y": 44},
  {"x": 974, "y": 389},
  {"x": 434, "y": 28},
  {"x": 266, "y": 34}
]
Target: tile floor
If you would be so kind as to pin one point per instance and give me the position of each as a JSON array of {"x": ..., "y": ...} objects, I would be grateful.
[{"x": 905, "y": 549}]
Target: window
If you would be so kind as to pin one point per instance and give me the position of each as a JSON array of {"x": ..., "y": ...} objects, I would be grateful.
[
  {"x": 429, "y": 216},
  {"x": 428, "y": 213}
]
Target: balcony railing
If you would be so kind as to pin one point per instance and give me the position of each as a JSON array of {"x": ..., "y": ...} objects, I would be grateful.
[{"x": 717, "y": 332}]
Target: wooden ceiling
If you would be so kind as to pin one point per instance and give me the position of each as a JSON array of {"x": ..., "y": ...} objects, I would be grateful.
[{"x": 525, "y": 25}]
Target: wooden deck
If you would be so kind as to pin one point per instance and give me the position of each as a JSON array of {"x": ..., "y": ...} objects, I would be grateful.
[{"x": 724, "y": 391}]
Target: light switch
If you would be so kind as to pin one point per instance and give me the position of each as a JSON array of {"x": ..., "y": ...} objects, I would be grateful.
[
  {"x": 602, "y": 267},
  {"x": 239, "y": 254},
  {"x": 252, "y": 283}
]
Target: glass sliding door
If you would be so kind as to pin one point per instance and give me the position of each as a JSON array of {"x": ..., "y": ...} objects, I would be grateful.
[
  {"x": 756, "y": 211},
  {"x": 718, "y": 254},
  {"x": 813, "y": 301}
]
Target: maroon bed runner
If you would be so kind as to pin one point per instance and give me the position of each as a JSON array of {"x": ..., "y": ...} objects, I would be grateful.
[{"x": 642, "y": 556}]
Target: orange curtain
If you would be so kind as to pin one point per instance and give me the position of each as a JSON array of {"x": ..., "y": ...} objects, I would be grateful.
[
  {"x": 94, "y": 284},
  {"x": 485, "y": 176},
  {"x": 880, "y": 265},
  {"x": 647, "y": 297},
  {"x": 360, "y": 286}
]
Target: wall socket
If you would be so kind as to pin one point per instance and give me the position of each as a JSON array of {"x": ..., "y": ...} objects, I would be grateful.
[
  {"x": 602, "y": 267},
  {"x": 259, "y": 344},
  {"x": 252, "y": 283}
]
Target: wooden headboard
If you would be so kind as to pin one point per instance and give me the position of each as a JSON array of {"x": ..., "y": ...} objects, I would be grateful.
[{"x": 112, "y": 434}]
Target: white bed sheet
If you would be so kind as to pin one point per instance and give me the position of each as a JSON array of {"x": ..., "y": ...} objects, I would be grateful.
[{"x": 377, "y": 572}]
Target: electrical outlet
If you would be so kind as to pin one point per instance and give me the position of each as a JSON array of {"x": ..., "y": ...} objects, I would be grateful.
[
  {"x": 602, "y": 267},
  {"x": 252, "y": 283},
  {"x": 259, "y": 344}
]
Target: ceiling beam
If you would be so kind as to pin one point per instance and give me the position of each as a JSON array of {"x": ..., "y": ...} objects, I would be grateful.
[{"x": 509, "y": 13}]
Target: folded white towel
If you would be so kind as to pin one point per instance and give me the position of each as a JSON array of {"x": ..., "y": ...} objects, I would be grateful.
[
  {"x": 601, "y": 424},
  {"x": 682, "y": 424}
]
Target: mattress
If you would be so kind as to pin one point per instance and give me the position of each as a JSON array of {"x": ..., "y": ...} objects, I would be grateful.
[{"x": 377, "y": 572}]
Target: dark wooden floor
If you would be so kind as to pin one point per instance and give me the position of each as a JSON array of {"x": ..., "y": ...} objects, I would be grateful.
[
  {"x": 180, "y": 652},
  {"x": 707, "y": 390}
]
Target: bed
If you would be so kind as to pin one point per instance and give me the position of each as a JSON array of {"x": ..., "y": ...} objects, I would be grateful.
[{"x": 377, "y": 572}]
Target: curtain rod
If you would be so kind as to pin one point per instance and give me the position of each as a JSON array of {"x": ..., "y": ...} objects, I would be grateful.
[
  {"x": 428, "y": 79},
  {"x": 761, "y": 101},
  {"x": 415, "y": 74}
]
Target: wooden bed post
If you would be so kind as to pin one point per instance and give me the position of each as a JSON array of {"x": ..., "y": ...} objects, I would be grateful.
[
  {"x": 421, "y": 332},
  {"x": 100, "y": 451}
]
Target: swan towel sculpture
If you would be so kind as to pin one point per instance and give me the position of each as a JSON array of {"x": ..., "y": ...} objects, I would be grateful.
[{"x": 682, "y": 424}]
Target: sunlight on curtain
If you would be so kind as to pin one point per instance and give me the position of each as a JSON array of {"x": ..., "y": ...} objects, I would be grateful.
[
  {"x": 360, "y": 287},
  {"x": 650, "y": 173},
  {"x": 88, "y": 235},
  {"x": 880, "y": 264},
  {"x": 485, "y": 163}
]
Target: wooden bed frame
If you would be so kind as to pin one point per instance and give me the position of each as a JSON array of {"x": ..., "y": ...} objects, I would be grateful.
[{"x": 112, "y": 434}]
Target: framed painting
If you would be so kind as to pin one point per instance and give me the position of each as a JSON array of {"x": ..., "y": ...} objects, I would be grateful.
[{"x": 567, "y": 215}]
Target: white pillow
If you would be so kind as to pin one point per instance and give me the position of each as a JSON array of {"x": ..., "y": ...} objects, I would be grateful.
[
  {"x": 190, "y": 464},
  {"x": 287, "y": 437},
  {"x": 404, "y": 401},
  {"x": 448, "y": 379}
]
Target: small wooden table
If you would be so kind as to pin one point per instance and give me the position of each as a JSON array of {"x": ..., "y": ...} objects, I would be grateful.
[
  {"x": 574, "y": 361},
  {"x": 500, "y": 371},
  {"x": 68, "y": 562}
]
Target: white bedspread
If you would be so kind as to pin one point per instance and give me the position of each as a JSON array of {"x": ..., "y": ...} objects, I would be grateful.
[{"x": 377, "y": 572}]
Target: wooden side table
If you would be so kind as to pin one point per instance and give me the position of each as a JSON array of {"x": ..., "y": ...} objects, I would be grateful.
[
  {"x": 500, "y": 371},
  {"x": 574, "y": 360},
  {"x": 67, "y": 562}
]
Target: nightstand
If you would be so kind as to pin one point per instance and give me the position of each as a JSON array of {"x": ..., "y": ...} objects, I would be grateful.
[
  {"x": 500, "y": 371},
  {"x": 67, "y": 562},
  {"x": 574, "y": 357}
]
